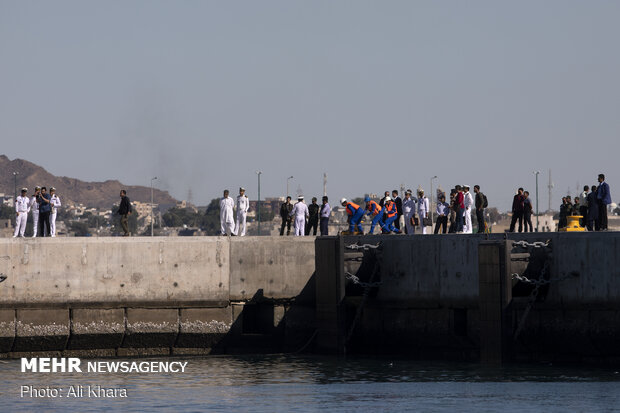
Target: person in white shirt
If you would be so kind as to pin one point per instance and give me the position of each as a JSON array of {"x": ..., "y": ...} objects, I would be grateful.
[
  {"x": 300, "y": 212},
  {"x": 409, "y": 207},
  {"x": 423, "y": 209},
  {"x": 34, "y": 207},
  {"x": 22, "y": 207},
  {"x": 243, "y": 204},
  {"x": 468, "y": 201},
  {"x": 55, "y": 201},
  {"x": 227, "y": 219},
  {"x": 442, "y": 210}
]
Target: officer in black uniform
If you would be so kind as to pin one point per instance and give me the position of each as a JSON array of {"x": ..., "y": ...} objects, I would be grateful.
[{"x": 313, "y": 219}]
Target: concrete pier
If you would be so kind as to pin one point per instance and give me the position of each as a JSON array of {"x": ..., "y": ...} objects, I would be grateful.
[{"x": 431, "y": 296}]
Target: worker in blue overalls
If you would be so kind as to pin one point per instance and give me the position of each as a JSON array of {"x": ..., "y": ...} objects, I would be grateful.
[
  {"x": 356, "y": 213},
  {"x": 391, "y": 215},
  {"x": 374, "y": 210}
]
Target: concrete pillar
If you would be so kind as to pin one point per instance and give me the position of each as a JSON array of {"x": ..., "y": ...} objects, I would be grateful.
[
  {"x": 330, "y": 290},
  {"x": 495, "y": 294}
]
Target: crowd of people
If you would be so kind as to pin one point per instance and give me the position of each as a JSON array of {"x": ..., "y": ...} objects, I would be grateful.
[
  {"x": 395, "y": 215},
  {"x": 591, "y": 206},
  {"x": 44, "y": 207}
]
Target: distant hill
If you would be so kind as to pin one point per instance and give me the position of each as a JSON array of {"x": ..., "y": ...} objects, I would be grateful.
[{"x": 72, "y": 190}]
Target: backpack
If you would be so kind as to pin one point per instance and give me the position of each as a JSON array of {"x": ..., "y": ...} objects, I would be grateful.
[{"x": 485, "y": 203}]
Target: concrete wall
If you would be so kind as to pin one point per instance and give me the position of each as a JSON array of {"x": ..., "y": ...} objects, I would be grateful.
[{"x": 148, "y": 295}]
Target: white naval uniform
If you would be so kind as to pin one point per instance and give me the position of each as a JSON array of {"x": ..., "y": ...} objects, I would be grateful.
[
  {"x": 409, "y": 207},
  {"x": 34, "y": 206},
  {"x": 55, "y": 202},
  {"x": 468, "y": 201},
  {"x": 243, "y": 204},
  {"x": 227, "y": 217},
  {"x": 300, "y": 211},
  {"x": 423, "y": 211},
  {"x": 22, "y": 206}
]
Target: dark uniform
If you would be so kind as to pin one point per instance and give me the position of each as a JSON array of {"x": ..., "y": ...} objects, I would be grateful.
[
  {"x": 313, "y": 219},
  {"x": 285, "y": 213}
]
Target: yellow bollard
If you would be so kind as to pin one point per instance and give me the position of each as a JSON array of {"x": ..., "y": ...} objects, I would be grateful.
[{"x": 573, "y": 224}]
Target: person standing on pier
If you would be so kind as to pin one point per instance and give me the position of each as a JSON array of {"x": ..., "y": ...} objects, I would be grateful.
[
  {"x": 592, "y": 219},
  {"x": 44, "y": 212},
  {"x": 468, "y": 201},
  {"x": 527, "y": 212},
  {"x": 604, "y": 198},
  {"x": 409, "y": 207},
  {"x": 34, "y": 207},
  {"x": 55, "y": 201},
  {"x": 423, "y": 210},
  {"x": 124, "y": 210},
  {"x": 399, "y": 210},
  {"x": 313, "y": 220},
  {"x": 300, "y": 212},
  {"x": 22, "y": 206},
  {"x": 285, "y": 210},
  {"x": 459, "y": 206},
  {"x": 481, "y": 203},
  {"x": 243, "y": 204},
  {"x": 227, "y": 220},
  {"x": 442, "y": 210},
  {"x": 583, "y": 207},
  {"x": 517, "y": 211},
  {"x": 326, "y": 211}
]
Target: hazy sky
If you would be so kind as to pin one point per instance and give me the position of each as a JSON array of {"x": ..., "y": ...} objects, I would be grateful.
[{"x": 204, "y": 93}]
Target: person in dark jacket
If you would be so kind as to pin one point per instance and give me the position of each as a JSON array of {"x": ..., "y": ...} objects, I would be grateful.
[
  {"x": 479, "y": 203},
  {"x": 285, "y": 213},
  {"x": 399, "y": 209},
  {"x": 527, "y": 212},
  {"x": 517, "y": 211},
  {"x": 124, "y": 210},
  {"x": 592, "y": 220},
  {"x": 313, "y": 219},
  {"x": 604, "y": 198},
  {"x": 45, "y": 209}
]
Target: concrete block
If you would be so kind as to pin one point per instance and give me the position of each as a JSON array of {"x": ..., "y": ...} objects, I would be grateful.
[
  {"x": 151, "y": 327},
  {"x": 42, "y": 330},
  {"x": 96, "y": 328},
  {"x": 7, "y": 330},
  {"x": 203, "y": 327}
]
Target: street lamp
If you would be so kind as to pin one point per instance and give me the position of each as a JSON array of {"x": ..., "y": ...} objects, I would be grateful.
[
  {"x": 432, "y": 197},
  {"x": 152, "y": 179},
  {"x": 536, "y": 173},
  {"x": 258, "y": 202},
  {"x": 287, "y": 180},
  {"x": 15, "y": 185}
]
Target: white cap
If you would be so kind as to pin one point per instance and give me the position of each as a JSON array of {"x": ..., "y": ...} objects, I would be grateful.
[
  {"x": 300, "y": 197},
  {"x": 24, "y": 189},
  {"x": 343, "y": 200},
  {"x": 387, "y": 198},
  {"x": 465, "y": 186}
]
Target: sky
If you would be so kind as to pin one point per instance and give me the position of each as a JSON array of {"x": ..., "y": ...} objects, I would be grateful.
[{"x": 202, "y": 94}]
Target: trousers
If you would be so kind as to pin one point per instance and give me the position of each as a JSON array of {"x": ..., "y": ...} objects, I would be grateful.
[
  {"x": 20, "y": 224},
  {"x": 35, "y": 223},
  {"x": 124, "y": 224},
  {"x": 324, "y": 225},
  {"x": 408, "y": 225},
  {"x": 300, "y": 226},
  {"x": 480, "y": 218},
  {"x": 442, "y": 222},
  {"x": 527, "y": 217},
  {"x": 53, "y": 223},
  {"x": 286, "y": 222},
  {"x": 312, "y": 224},
  {"x": 356, "y": 218},
  {"x": 467, "y": 228},
  {"x": 44, "y": 223},
  {"x": 517, "y": 215},
  {"x": 241, "y": 224},
  {"x": 375, "y": 220},
  {"x": 388, "y": 226}
]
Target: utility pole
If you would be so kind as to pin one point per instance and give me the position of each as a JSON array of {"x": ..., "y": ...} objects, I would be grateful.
[
  {"x": 536, "y": 173},
  {"x": 287, "y": 181},
  {"x": 152, "y": 179},
  {"x": 15, "y": 187},
  {"x": 324, "y": 183},
  {"x": 431, "y": 206},
  {"x": 550, "y": 186},
  {"x": 258, "y": 202}
]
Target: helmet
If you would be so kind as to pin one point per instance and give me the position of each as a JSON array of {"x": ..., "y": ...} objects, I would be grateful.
[
  {"x": 367, "y": 199},
  {"x": 387, "y": 198},
  {"x": 343, "y": 200}
]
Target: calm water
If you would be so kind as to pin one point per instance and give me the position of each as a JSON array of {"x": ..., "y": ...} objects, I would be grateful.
[{"x": 309, "y": 384}]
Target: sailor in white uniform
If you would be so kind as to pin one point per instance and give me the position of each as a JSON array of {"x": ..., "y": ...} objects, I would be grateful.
[
  {"x": 22, "y": 207},
  {"x": 227, "y": 217},
  {"x": 55, "y": 201},
  {"x": 423, "y": 209},
  {"x": 34, "y": 207},
  {"x": 300, "y": 212},
  {"x": 409, "y": 207},
  {"x": 468, "y": 201},
  {"x": 243, "y": 204}
]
